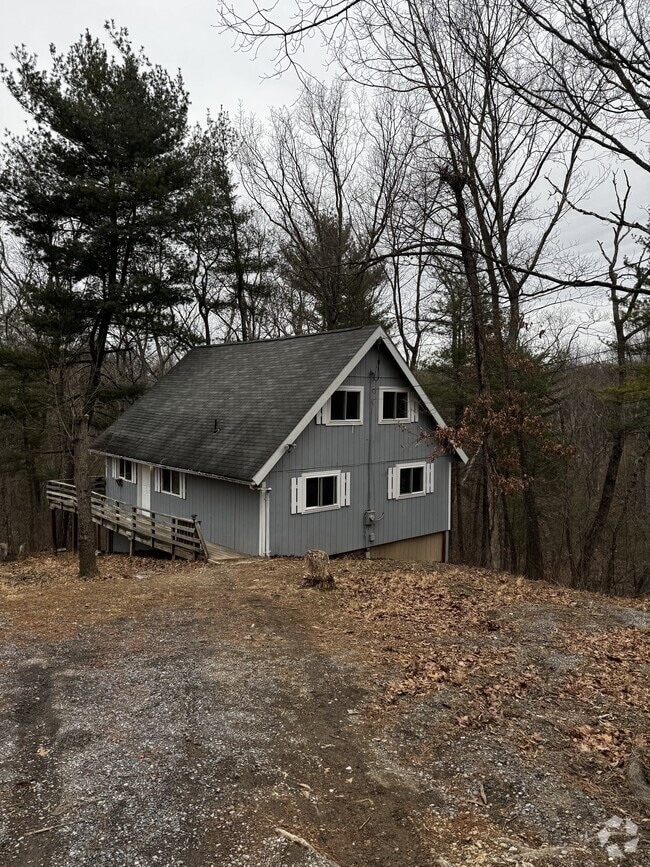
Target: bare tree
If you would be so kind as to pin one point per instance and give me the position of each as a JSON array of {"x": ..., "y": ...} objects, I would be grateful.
[
  {"x": 326, "y": 176},
  {"x": 492, "y": 153},
  {"x": 588, "y": 68}
]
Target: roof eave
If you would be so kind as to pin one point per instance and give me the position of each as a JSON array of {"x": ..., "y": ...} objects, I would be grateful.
[
  {"x": 408, "y": 373},
  {"x": 247, "y": 482}
]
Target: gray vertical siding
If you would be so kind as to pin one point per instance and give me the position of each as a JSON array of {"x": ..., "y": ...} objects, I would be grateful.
[
  {"x": 366, "y": 451},
  {"x": 126, "y": 492},
  {"x": 229, "y": 513}
]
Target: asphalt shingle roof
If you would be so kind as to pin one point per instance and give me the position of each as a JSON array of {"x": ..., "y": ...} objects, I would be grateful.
[{"x": 257, "y": 392}]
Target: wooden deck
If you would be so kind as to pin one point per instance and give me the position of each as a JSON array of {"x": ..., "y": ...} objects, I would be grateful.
[{"x": 180, "y": 537}]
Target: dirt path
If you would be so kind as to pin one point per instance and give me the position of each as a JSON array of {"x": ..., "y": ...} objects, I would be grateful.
[{"x": 181, "y": 717}]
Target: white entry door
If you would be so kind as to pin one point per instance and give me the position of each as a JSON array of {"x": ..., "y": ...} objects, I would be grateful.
[{"x": 144, "y": 487}]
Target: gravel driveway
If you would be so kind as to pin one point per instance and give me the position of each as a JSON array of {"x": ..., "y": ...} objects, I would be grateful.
[
  {"x": 173, "y": 714},
  {"x": 180, "y": 721}
]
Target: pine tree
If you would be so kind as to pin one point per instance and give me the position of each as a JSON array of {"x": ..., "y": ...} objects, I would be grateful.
[{"x": 95, "y": 190}]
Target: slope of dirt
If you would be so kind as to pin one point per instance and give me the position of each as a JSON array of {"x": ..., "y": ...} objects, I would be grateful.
[{"x": 174, "y": 714}]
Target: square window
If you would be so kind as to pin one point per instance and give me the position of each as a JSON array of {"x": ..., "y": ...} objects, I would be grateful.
[
  {"x": 171, "y": 482},
  {"x": 345, "y": 405},
  {"x": 317, "y": 492},
  {"x": 411, "y": 480},
  {"x": 321, "y": 491},
  {"x": 125, "y": 470},
  {"x": 395, "y": 405}
]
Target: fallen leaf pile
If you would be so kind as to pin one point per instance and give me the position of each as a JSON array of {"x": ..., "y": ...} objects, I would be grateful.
[
  {"x": 505, "y": 646},
  {"x": 64, "y": 568}
]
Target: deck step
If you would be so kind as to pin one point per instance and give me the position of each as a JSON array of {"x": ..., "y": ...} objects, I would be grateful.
[{"x": 220, "y": 552}]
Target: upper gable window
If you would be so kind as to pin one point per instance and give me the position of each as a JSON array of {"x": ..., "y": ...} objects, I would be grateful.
[
  {"x": 345, "y": 406},
  {"x": 124, "y": 470},
  {"x": 396, "y": 405},
  {"x": 170, "y": 482}
]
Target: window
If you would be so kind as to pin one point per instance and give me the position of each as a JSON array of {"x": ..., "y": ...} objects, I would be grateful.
[
  {"x": 344, "y": 407},
  {"x": 396, "y": 405},
  {"x": 320, "y": 492},
  {"x": 124, "y": 470},
  {"x": 170, "y": 482},
  {"x": 410, "y": 480}
]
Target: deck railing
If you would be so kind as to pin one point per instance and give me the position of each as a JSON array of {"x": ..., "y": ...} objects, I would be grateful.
[{"x": 180, "y": 537}]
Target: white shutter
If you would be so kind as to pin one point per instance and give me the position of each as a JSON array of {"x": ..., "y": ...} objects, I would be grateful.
[
  {"x": 114, "y": 467},
  {"x": 319, "y": 416},
  {"x": 156, "y": 479},
  {"x": 392, "y": 482},
  {"x": 345, "y": 489},
  {"x": 295, "y": 505},
  {"x": 414, "y": 406},
  {"x": 429, "y": 477}
]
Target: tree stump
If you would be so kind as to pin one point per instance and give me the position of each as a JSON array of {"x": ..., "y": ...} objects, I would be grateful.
[
  {"x": 319, "y": 575},
  {"x": 637, "y": 781}
]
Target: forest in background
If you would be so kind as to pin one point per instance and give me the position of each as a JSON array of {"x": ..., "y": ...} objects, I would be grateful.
[{"x": 427, "y": 187}]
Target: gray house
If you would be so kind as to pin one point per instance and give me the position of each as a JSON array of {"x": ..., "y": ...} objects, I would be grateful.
[{"x": 281, "y": 446}]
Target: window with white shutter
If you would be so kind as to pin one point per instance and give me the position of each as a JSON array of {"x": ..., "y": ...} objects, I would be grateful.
[
  {"x": 320, "y": 491},
  {"x": 410, "y": 480},
  {"x": 170, "y": 482},
  {"x": 398, "y": 406}
]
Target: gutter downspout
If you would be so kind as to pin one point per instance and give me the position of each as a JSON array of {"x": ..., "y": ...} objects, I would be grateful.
[{"x": 264, "y": 548}]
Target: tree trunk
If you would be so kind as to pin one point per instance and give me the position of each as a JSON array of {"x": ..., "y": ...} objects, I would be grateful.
[
  {"x": 83, "y": 483},
  {"x": 594, "y": 534},
  {"x": 534, "y": 562}
]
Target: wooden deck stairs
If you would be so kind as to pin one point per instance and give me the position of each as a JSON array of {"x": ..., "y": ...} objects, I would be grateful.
[{"x": 180, "y": 537}]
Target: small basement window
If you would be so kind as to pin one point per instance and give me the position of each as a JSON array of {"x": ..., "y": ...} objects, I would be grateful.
[
  {"x": 170, "y": 482},
  {"x": 394, "y": 405},
  {"x": 345, "y": 406},
  {"x": 320, "y": 492}
]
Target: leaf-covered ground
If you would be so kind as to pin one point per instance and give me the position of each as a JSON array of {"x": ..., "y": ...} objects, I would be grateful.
[{"x": 180, "y": 714}]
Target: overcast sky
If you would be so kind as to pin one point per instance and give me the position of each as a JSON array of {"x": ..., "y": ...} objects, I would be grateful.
[
  {"x": 182, "y": 34},
  {"x": 177, "y": 34}
]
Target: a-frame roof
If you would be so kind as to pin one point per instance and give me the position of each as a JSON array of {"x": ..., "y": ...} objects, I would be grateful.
[{"x": 231, "y": 410}]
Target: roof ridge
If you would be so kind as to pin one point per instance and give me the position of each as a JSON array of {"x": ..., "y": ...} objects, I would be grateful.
[{"x": 287, "y": 337}]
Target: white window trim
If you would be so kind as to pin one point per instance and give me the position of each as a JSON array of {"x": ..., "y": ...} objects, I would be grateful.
[
  {"x": 394, "y": 478},
  {"x": 299, "y": 489},
  {"x": 134, "y": 471},
  {"x": 158, "y": 483},
  {"x": 413, "y": 413},
  {"x": 325, "y": 417}
]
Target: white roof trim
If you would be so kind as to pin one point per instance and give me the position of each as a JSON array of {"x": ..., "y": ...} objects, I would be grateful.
[
  {"x": 378, "y": 334},
  {"x": 261, "y": 474},
  {"x": 168, "y": 467},
  {"x": 418, "y": 388}
]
